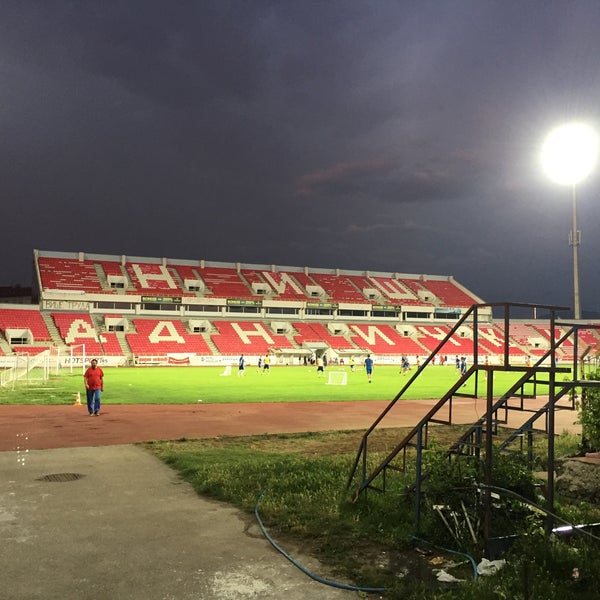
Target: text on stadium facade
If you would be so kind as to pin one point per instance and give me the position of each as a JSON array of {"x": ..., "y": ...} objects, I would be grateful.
[{"x": 162, "y": 299}]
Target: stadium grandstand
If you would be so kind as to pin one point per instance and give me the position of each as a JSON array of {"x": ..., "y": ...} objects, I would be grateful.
[{"x": 129, "y": 310}]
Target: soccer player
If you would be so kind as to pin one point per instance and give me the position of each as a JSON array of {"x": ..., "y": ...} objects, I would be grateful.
[
  {"x": 369, "y": 367},
  {"x": 241, "y": 366},
  {"x": 463, "y": 367},
  {"x": 267, "y": 364},
  {"x": 405, "y": 365},
  {"x": 320, "y": 367}
]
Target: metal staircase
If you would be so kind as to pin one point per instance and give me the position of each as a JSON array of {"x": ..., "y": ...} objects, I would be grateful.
[{"x": 539, "y": 379}]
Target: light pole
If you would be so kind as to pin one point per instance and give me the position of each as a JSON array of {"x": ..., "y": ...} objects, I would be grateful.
[{"x": 569, "y": 154}]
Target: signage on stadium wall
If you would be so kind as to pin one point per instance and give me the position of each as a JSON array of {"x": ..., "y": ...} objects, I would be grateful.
[
  {"x": 65, "y": 305},
  {"x": 192, "y": 360},
  {"x": 161, "y": 299},
  {"x": 104, "y": 361},
  {"x": 448, "y": 311},
  {"x": 385, "y": 307},
  {"x": 332, "y": 305},
  {"x": 65, "y": 362},
  {"x": 212, "y": 361},
  {"x": 161, "y": 360},
  {"x": 234, "y": 302},
  {"x": 174, "y": 360}
]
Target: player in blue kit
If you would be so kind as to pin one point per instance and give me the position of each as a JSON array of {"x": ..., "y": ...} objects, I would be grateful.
[{"x": 369, "y": 367}]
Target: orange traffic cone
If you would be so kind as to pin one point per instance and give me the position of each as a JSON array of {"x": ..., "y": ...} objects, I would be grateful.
[{"x": 77, "y": 399}]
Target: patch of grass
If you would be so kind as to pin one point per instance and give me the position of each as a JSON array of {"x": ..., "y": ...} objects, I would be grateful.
[
  {"x": 370, "y": 543},
  {"x": 304, "y": 498}
]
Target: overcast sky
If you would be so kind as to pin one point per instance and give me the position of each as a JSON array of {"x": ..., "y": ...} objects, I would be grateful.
[{"x": 388, "y": 136}]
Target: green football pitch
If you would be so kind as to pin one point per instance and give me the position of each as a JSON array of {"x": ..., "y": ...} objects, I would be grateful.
[{"x": 185, "y": 385}]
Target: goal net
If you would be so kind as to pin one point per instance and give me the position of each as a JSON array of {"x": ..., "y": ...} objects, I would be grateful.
[
  {"x": 30, "y": 369},
  {"x": 337, "y": 378}
]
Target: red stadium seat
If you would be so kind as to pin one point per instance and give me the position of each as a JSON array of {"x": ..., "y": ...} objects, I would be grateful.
[
  {"x": 247, "y": 338},
  {"x": 165, "y": 336},
  {"x": 27, "y": 319}
]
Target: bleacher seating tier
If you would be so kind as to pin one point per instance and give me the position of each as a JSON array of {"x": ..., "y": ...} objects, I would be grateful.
[
  {"x": 162, "y": 278},
  {"x": 30, "y": 319},
  {"x": 226, "y": 282}
]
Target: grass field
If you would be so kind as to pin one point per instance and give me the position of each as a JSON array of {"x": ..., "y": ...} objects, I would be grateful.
[{"x": 183, "y": 385}]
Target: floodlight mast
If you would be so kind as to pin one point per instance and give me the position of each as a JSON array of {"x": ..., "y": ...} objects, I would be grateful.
[
  {"x": 575, "y": 240},
  {"x": 569, "y": 155}
]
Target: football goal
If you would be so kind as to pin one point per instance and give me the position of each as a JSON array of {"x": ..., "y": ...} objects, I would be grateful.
[
  {"x": 337, "y": 378},
  {"x": 31, "y": 368},
  {"x": 77, "y": 354}
]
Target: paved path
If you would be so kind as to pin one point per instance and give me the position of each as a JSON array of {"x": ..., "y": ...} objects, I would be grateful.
[{"x": 128, "y": 528}]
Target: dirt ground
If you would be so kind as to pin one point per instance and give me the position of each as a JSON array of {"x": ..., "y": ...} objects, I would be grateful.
[{"x": 45, "y": 427}]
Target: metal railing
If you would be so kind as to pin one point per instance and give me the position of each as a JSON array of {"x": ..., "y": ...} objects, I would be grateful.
[{"x": 478, "y": 438}]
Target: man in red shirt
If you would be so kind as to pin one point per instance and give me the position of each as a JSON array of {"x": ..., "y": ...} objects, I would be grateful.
[{"x": 94, "y": 385}]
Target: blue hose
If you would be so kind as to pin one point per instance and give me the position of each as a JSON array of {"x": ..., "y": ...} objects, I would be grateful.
[
  {"x": 342, "y": 586},
  {"x": 471, "y": 559}
]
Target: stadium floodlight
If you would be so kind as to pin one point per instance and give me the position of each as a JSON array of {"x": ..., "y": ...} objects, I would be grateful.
[{"x": 569, "y": 155}]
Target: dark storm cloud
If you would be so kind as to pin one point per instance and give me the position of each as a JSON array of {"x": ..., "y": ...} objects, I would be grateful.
[
  {"x": 387, "y": 182},
  {"x": 396, "y": 136}
]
